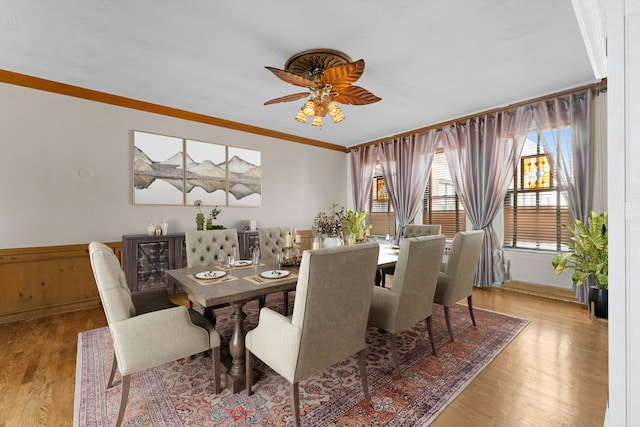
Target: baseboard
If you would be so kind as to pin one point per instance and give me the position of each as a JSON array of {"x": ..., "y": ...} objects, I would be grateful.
[
  {"x": 543, "y": 291},
  {"x": 41, "y": 312}
]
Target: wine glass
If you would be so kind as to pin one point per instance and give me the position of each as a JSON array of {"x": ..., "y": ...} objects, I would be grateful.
[
  {"x": 231, "y": 260},
  {"x": 221, "y": 258},
  {"x": 255, "y": 258},
  {"x": 279, "y": 260}
]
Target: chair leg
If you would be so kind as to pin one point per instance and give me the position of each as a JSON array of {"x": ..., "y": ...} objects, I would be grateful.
[
  {"x": 470, "y": 303},
  {"x": 446, "y": 317},
  {"x": 112, "y": 375},
  {"x": 430, "y": 331},
  {"x": 248, "y": 376},
  {"x": 362, "y": 364},
  {"x": 295, "y": 403},
  {"x": 285, "y": 297},
  {"x": 123, "y": 398},
  {"x": 261, "y": 302},
  {"x": 215, "y": 355},
  {"x": 394, "y": 354}
]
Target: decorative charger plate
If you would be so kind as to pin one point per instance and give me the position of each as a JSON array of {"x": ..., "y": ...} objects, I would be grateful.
[
  {"x": 275, "y": 274},
  {"x": 213, "y": 274},
  {"x": 242, "y": 263}
]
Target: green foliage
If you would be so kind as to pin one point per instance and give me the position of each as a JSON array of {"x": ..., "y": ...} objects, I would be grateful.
[
  {"x": 589, "y": 256},
  {"x": 215, "y": 212},
  {"x": 354, "y": 221}
]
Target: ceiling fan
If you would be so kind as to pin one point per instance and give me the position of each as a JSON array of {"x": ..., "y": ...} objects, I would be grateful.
[{"x": 328, "y": 75}]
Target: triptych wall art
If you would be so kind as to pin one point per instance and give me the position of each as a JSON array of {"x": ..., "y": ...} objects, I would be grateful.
[{"x": 177, "y": 171}]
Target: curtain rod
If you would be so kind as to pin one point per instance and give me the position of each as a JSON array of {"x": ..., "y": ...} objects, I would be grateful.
[{"x": 600, "y": 85}]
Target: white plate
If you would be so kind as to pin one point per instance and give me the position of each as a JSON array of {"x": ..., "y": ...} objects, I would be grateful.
[
  {"x": 213, "y": 274},
  {"x": 242, "y": 263},
  {"x": 274, "y": 274}
]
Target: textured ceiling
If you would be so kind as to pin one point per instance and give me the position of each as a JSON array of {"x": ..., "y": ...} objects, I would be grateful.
[{"x": 429, "y": 61}]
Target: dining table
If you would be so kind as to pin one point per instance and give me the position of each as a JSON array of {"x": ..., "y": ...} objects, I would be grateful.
[{"x": 236, "y": 287}]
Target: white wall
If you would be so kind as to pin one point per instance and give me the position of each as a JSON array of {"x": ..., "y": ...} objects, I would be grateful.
[
  {"x": 48, "y": 141},
  {"x": 527, "y": 266}
]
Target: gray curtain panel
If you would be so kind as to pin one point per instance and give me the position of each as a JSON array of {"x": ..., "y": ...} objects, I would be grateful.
[
  {"x": 482, "y": 154},
  {"x": 406, "y": 164},
  {"x": 565, "y": 125},
  {"x": 363, "y": 164}
]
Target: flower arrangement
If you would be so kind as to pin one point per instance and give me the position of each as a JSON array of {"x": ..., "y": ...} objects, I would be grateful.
[
  {"x": 212, "y": 217},
  {"x": 329, "y": 224},
  {"x": 215, "y": 212},
  {"x": 354, "y": 224}
]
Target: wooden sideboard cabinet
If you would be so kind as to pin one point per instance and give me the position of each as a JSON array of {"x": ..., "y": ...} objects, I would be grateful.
[
  {"x": 246, "y": 240},
  {"x": 146, "y": 258}
]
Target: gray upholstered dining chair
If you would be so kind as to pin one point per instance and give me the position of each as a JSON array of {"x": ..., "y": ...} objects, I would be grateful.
[
  {"x": 143, "y": 341},
  {"x": 202, "y": 246},
  {"x": 272, "y": 241},
  {"x": 455, "y": 280},
  {"x": 412, "y": 230},
  {"x": 329, "y": 320},
  {"x": 410, "y": 300}
]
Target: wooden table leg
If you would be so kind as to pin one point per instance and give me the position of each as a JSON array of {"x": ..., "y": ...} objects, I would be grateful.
[{"x": 235, "y": 377}]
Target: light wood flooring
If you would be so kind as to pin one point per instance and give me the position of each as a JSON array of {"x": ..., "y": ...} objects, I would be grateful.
[{"x": 553, "y": 374}]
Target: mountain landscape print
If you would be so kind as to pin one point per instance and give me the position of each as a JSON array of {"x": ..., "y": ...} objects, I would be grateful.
[
  {"x": 168, "y": 170},
  {"x": 245, "y": 177},
  {"x": 157, "y": 170}
]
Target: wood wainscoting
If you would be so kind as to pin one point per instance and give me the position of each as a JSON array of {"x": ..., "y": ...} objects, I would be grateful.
[{"x": 44, "y": 280}]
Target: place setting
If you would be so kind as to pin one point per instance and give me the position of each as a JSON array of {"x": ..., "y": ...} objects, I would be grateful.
[
  {"x": 211, "y": 277},
  {"x": 270, "y": 275}
]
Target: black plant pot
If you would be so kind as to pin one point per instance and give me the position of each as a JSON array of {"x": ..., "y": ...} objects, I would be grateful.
[{"x": 600, "y": 297}]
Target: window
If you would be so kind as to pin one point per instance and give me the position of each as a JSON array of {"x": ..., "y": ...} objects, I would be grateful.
[
  {"x": 383, "y": 218},
  {"x": 441, "y": 204},
  {"x": 534, "y": 208}
]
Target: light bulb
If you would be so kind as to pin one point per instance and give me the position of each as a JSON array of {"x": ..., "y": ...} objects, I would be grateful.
[
  {"x": 301, "y": 117},
  {"x": 338, "y": 118},
  {"x": 333, "y": 108},
  {"x": 309, "y": 108},
  {"x": 317, "y": 121}
]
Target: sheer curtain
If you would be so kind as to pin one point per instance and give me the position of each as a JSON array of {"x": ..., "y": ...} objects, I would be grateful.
[
  {"x": 406, "y": 164},
  {"x": 565, "y": 124},
  {"x": 482, "y": 154},
  {"x": 363, "y": 163}
]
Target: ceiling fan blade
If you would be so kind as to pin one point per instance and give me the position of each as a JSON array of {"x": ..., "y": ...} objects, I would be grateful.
[
  {"x": 288, "y": 98},
  {"x": 341, "y": 76},
  {"x": 294, "y": 79},
  {"x": 355, "y": 95}
]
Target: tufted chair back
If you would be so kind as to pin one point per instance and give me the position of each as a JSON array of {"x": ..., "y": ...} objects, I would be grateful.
[
  {"x": 112, "y": 286},
  {"x": 272, "y": 241},
  {"x": 417, "y": 230},
  {"x": 203, "y": 246}
]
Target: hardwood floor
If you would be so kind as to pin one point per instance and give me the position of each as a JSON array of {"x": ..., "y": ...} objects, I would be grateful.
[{"x": 553, "y": 374}]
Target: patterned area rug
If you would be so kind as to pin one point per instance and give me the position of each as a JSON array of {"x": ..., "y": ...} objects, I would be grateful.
[{"x": 181, "y": 393}]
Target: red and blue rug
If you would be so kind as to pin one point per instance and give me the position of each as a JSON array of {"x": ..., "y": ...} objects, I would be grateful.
[{"x": 181, "y": 393}]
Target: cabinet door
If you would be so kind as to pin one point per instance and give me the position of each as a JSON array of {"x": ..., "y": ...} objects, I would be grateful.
[
  {"x": 152, "y": 260},
  {"x": 246, "y": 240}
]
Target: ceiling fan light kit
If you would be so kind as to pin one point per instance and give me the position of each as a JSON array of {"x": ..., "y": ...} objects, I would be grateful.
[{"x": 328, "y": 75}]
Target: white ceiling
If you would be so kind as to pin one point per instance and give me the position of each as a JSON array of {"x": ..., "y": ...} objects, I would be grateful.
[{"x": 429, "y": 61}]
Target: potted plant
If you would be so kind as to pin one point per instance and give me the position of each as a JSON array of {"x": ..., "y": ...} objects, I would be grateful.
[
  {"x": 213, "y": 216},
  {"x": 329, "y": 226},
  {"x": 354, "y": 225},
  {"x": 589, "y": 258}
]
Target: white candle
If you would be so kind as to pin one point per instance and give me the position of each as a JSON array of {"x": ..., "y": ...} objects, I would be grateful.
[
  {"x": 298, "y": 238},
  {"x": 287, "y": 241},
  {"x": 316, "y": 245}
]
